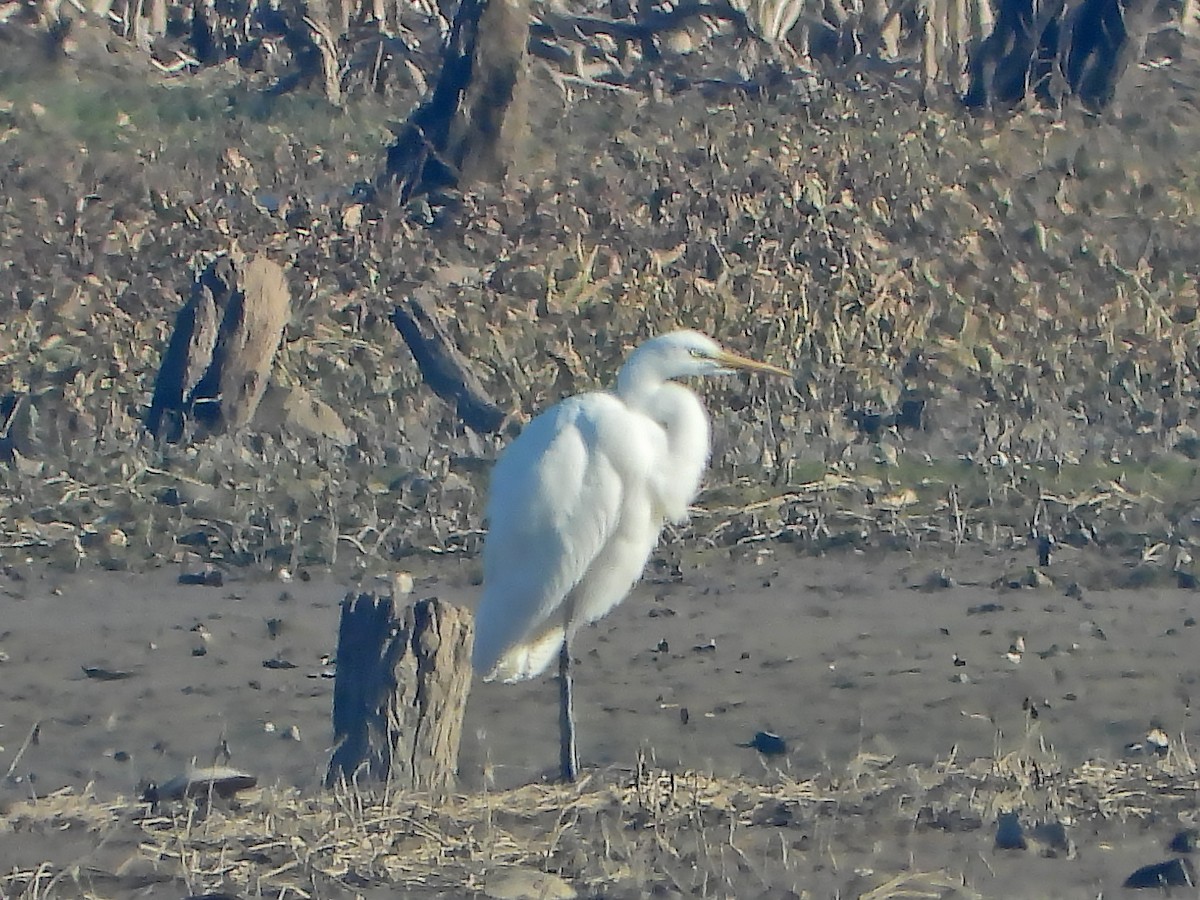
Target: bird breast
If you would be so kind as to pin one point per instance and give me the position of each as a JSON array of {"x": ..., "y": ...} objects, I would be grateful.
[{"x": 675, "y": 479}]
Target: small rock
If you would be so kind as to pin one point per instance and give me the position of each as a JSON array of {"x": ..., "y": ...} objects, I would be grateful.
[
  {"x": 171, "y": 497},
  {"x": 1177, "y": 872},
  {"x": 984, "y": 608},
  {"x": 518, "y": 883},
  {"x": 1091, "y": 629},
  {"x": 99, "y": 673},
  {"x": 209, "y": 576},
  {"x": 768, "y": 743},
  {"x": 1036, "y": 578},
  {"x": 1009, "y": 833},
  {"x": 1184, "y": 841},
  {"x": 300, "y": 413},
  {"x": 937, "y": 581}
]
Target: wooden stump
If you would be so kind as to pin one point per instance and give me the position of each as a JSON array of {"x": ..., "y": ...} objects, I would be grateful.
[
  {"x": 401, "y": 692},
  {"x": 444, "y": 367},
  {"x": 470, "y": 127},
  {"x": 1051, "y": 49},
  {"x": 218, "y": 363}
]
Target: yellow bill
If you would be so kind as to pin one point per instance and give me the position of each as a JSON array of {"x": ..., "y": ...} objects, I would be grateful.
[{"x": 733, "y": 361}]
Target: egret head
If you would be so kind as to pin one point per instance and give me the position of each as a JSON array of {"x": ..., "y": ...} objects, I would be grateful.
[{"x": 682, "y": 353}]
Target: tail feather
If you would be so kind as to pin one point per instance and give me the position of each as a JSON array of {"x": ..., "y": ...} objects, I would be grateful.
[{"x": 529, "y": 659}]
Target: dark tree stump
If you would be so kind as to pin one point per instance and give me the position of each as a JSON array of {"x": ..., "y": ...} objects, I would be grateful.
[
  {"x": 1047, "y": 50},
  {"x": 469, "y": 129},
  {"x": 444, "y": 367},
  {"x": 218, "y": 363},
  {"x": 400, "y": 693}
]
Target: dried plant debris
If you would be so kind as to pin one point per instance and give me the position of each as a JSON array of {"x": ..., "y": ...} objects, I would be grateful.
[
  {"x": 617, "y": 834},
  {"x": 993, "y": 324}
]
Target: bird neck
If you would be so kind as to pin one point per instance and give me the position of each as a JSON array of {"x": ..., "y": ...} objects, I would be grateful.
[
  {"x": 637, "y": 383},
  {"x": 684, "y": 423}
]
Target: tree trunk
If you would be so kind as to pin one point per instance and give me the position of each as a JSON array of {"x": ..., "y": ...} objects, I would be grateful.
[
  {"x": 469, "y": 130},
  {"x": 401, "y": 692},
  {"x": 219, "y": 360},
  {"x": 444, "y": 367},
  {"x": 1047, "y": 50}
]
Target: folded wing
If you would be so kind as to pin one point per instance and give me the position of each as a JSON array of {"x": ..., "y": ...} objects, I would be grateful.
[{"x": 560, "y": 508}]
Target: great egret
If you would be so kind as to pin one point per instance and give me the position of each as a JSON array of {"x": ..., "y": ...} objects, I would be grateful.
[{"x": 577, "y": 504}]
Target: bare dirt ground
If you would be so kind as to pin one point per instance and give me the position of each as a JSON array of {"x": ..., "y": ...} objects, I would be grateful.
[{"x": 904, "y": 699}]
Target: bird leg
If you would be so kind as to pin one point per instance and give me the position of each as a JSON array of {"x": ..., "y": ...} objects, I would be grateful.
[{"x": 568, "y": 757}]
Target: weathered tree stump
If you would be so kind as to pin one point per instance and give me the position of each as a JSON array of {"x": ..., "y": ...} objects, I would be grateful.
[
  {"x": 400, "y": 693},
  {"x": 1047, "y": 50},
  {"x": 219, "y": 360},
  {"x": 444, "y": 367},
  {"x": 469, "y": 129}
]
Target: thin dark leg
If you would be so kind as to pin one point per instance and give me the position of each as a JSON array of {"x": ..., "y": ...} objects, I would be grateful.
[{"x": 568, "y": 758}]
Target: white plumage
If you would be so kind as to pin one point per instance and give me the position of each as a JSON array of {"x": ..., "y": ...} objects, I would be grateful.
[{"x": 579, "y": 499}]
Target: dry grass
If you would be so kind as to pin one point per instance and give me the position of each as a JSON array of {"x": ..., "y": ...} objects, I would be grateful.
[
  {"x": 618, "y": 833},
  {"x": 1032, "y": 281}
]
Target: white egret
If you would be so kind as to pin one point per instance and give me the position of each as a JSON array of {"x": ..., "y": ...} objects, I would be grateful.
[{"x": 577, "y": 504}]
